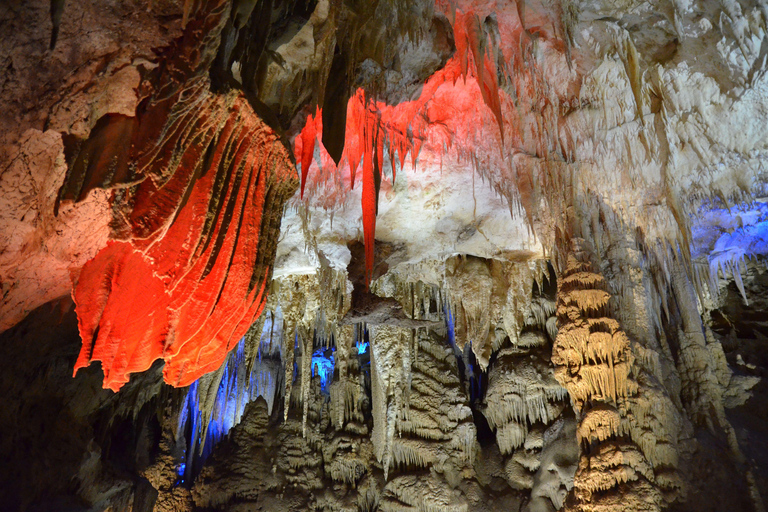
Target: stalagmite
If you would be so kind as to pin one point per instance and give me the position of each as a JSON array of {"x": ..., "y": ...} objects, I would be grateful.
[{"x": 594, "y": 360}]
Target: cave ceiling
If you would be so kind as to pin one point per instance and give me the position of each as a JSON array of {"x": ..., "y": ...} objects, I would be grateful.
[{"x": 389, "y": 255}]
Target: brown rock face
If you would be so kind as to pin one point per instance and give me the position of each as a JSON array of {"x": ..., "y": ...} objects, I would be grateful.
[
  {"x": 48, "y": 96},
  {"x": 41, "y": 249}
]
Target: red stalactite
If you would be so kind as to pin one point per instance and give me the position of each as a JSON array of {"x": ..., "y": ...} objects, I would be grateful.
[
  {"x": 369, "y": 199},
  {"x": 355, "y": 145},
  {"x": 308, "y": 137},
  {"x": 452, "y": 113}
]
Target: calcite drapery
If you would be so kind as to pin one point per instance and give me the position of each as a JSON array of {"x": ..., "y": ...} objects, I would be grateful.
[
  {"x": 200, "y": 189},
  {"x": 190, "y": 291}
]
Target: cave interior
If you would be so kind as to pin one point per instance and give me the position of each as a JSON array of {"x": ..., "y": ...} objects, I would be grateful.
[{"x": 384, "y": 255}]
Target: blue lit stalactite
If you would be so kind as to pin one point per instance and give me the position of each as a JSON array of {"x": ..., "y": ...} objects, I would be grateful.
[
  {"x": 322, "y": 365},
  {"x": 466, "y": 359},
  {"x": 235, "y": 391},
  {"x": 473, "y": 374},
  {"x": 363, "y": 345},
  {"x": 449, "y": 324},
  {"x": 728, "y": 238}
]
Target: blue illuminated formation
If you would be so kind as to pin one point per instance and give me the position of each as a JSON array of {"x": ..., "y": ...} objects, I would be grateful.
[
  {"x": 362, "y": 347},
  {"x": 236, "y": 389},
  {"x": 322, "y": 365},
  {"x": 728, "y": 236},
  {"x": 180, "y": 472},
  {"x": 722, "y": 233},
  {"x": 475, "y": 384},
  {"x": 466, "y": 358},
  {"x": 449, "y": 324}
]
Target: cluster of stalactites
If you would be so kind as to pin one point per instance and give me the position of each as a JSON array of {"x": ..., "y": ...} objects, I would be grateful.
[
  {"x": 522, "y": 391},
  {"x": 346, "y": 391},
  {"x": 494, "y": 68},
  {"x": 483, "y": 302},
  {"x": 392, "y": 352},
  {"x": 419, "y": 300},
  {"x": 215, "y": 403},
  {"x": 488, "y": 301},
  {"x": 726, "y": 241},
  {"x": 311, "y": 307},
  {"x": 542, "y": 317},
  {"x": 368, "y": 134},
  {"x": 420, "y": 414}
]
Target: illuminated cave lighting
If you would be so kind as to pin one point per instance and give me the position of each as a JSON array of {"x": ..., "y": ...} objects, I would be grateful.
[
  {"x": 738, "y": 231},
  {"x": 322, "y": 365},
  {"x": 466, "y": 357},
  {"x": 234, "y": 392},
  {"x": 445, "y": 112},
  {"x": 362, "y": 347},
  {"x": 449, "y": 324},
  {"x": 729, "y": 236},
  {"x": 180, "y": 473}
]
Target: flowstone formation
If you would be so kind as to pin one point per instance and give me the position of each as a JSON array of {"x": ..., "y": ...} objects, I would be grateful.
[{"x": 465, "y": 255}]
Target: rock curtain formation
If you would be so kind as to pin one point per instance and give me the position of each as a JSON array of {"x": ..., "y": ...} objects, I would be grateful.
[{"x": 200, "y": 180}]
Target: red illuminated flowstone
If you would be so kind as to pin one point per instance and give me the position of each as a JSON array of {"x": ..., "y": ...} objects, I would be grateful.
[
  {"x": 189, "y": 291},
  {"x": 197, "y": 218},
  {"x": 200, "y": 188}
]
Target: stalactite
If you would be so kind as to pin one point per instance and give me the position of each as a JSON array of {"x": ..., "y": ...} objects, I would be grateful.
[
  {"x": 485, "y": 68},
  {"x": 522, "y": 391},
  {"x": 632, "y": 67},
  {"x": 306, "y": 377},
  {"x": 289, "y": 358},
  {"x": 343, "y": 392},
  {"x": 390, "y": 355},
  {"x": 308, "y": 137},
  {"x": 488, "y": 297},
  {"x": 369, "y": 197},
  {"x": 216, "y": 402}
]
